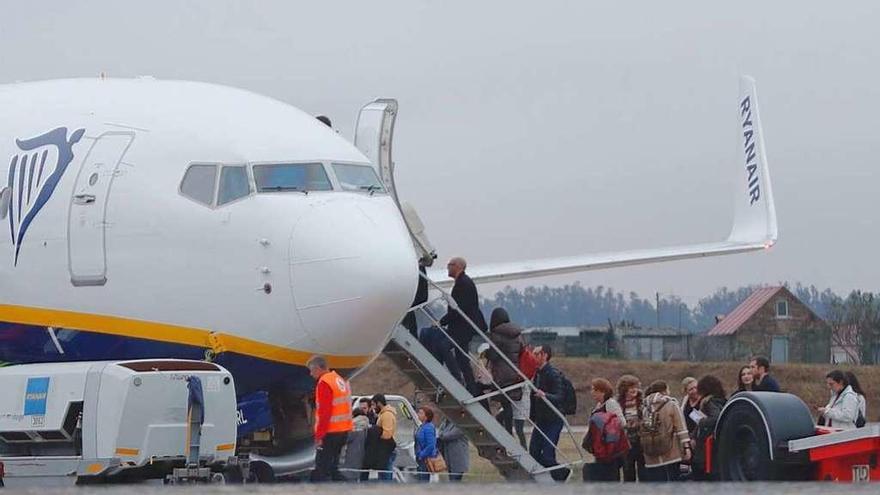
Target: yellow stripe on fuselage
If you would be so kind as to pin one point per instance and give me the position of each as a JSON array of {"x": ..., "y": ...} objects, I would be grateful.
[{"x": 162, "y": 332}]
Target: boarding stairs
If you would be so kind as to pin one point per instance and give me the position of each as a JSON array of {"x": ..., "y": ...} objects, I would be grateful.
[{"x": 432, "y": 379}]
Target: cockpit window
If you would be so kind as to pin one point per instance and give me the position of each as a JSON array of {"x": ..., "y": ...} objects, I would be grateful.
[
  {"x": 291, "y": 177},
  {"x": 233, "y": 184},
  {"x": 357, "y": 177},
  {"x": 198, "y": 183}
]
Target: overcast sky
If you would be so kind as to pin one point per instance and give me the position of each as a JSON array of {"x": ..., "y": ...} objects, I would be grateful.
[{"x": 536, "y": 129}]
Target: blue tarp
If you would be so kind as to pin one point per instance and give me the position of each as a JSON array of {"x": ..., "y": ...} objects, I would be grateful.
[{"x": 254, "y": 413}]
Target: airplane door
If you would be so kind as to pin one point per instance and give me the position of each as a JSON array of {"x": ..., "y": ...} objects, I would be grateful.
[
  {"x": 86, "y": 223},
  {"x": 373, "y": 134}
]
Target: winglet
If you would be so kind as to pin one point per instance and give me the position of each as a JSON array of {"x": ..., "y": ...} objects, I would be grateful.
[{"x": 755, "y": 220}]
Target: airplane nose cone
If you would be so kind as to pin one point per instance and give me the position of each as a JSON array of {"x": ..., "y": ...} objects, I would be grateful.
[{"x": 353, "y": 274}]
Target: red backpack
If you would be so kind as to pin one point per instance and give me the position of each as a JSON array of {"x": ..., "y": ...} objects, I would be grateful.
[
  {"x": 528, "y": 363},
  {"x": 606, "y": 439}
]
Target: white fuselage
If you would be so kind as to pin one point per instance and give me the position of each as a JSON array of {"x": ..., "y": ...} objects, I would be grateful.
[{"x": 118, "y": 252}]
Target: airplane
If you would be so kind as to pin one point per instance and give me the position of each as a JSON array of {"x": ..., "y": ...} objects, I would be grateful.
[{"x": 172, "y": 219}]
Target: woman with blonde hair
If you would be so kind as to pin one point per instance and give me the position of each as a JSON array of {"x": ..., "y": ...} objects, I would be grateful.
[{"x": 689, "y": 402}]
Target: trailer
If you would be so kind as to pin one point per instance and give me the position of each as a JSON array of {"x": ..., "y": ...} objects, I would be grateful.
[
  {"x": 765, "y": 436},
  {"x": 166, "y": 420}
]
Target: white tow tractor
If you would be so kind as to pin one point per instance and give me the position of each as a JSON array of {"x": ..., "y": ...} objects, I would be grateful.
[{"x": 100, "y": 422}]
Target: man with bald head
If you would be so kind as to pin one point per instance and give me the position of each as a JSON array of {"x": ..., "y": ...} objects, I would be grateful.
[{"x": 464, "y": 292}]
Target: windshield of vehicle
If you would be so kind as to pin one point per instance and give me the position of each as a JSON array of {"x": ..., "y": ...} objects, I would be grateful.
[
  {"x": 357, "y": 177},
  {"x": 291, "y": 177}
]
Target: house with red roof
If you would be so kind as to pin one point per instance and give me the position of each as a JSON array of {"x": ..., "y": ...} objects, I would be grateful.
[{"x": 771, "y": 322}]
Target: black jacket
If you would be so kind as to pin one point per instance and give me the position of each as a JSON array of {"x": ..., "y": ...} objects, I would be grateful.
[
  {"x": 549, "y": 380},
  {"x": 465, "y": 294},
  {"x": 768, "y": 384},
  {"x": 506, "y": 336},
  {"x": 376, "y": 450},
  {"x": 711, "y": 406}
]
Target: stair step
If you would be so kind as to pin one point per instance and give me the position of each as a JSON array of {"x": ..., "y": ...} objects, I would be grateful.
[{"x": 433, "y": 381}]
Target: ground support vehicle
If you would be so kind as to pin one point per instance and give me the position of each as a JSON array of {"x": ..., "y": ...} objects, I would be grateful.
[
  {"x": 117, "y": 421},
  {"x": 764, "y": 436}
]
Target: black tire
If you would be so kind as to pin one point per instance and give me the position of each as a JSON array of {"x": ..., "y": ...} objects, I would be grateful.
[
  {"x": 750, "y": 426},
  {"x": 262, "y": 473},
  {"x": 743, "y": 447}
]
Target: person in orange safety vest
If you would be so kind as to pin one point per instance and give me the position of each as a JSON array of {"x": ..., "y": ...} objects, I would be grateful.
[{"x": 333, "y": 419}]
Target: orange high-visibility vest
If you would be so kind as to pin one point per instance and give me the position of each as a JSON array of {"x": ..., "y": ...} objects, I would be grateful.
[{"x": 340, "y": 409}]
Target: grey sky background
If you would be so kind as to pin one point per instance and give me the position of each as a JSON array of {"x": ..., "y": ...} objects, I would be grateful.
[{"x": 531, "y": 130}]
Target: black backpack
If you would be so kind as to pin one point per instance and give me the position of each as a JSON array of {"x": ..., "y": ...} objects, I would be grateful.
[
  {"x": 860, "y": 421},
  {"x": 569, "y": 398}
]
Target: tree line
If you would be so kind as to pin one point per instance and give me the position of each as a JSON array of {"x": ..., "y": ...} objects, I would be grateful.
[{"x": 575, "y": 305}]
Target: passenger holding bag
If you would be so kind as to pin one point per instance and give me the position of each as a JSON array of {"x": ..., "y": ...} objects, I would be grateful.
[
  {"x": 528, "y": 363},
  {"x": 605, "y": 438},
  {"x": 436, "y": 464},
  {"x": 860, "y": 395},
  {"x": 507, "y": 339},
  {"x": 843, "y": 409},
  {"x": 427, "y": 455}
]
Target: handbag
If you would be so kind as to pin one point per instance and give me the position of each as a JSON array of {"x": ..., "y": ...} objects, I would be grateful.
[{"x": 436, "y": 464}]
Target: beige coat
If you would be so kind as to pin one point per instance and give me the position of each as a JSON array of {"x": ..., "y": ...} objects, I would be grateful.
[
  {"x": 670, "y": 413},
  {"x": 388, "y": 422}
]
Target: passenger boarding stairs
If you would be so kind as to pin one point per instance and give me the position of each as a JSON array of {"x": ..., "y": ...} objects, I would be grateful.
[{"x": 492, "y": 441}]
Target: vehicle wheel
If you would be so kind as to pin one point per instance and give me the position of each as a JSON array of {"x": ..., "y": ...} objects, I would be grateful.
[
  {"x": 750, "y": 426},
  {"x": 743, "y": 447},
  {"x": 262, "y": 473},
  {"x": 233, "y": 476}
]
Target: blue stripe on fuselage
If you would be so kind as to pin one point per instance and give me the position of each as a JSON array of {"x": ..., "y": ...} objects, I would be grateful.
[{"x": 24, "y": 344}]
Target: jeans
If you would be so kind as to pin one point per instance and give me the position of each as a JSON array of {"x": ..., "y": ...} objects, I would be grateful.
[
  {"x": 539, "y": 448},
  {"x": 423, "y": 475},
  {"x": 388, "y": 475},
  {"x": 604, "y": 471},
  {"x": 669, "y": 472},
  {"x": 633, "y": 463},
  {"x": 442, "y": 349},
  {"x": 505, "y": 417},
  {"x": 327, "y": 458},
  {"x": 465, "y": 367}
]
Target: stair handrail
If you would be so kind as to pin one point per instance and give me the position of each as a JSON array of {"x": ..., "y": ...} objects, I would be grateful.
[
  {"x": 515, "y": 366},
  {"x": 525, "y": 383},
  {"x": 497, "y": 386}
]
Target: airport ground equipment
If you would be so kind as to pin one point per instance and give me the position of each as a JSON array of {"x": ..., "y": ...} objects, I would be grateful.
[
  {"x": 432, "y": 379},
  {"x": 765, "y": 436},
  {"x": 94, "y": 422}
]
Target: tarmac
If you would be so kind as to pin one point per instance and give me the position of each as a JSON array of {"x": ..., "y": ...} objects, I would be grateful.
[{"x": 571, "y": 488}]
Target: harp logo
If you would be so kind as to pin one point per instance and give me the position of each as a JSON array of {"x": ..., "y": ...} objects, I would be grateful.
[{"x": 34, "y": 174}]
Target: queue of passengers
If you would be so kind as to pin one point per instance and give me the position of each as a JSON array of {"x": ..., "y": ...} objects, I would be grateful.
[
  {"x": 662, "y": 439},
  {"x": 645, "y": 435},
  {"x": 657, "y": 442}
]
